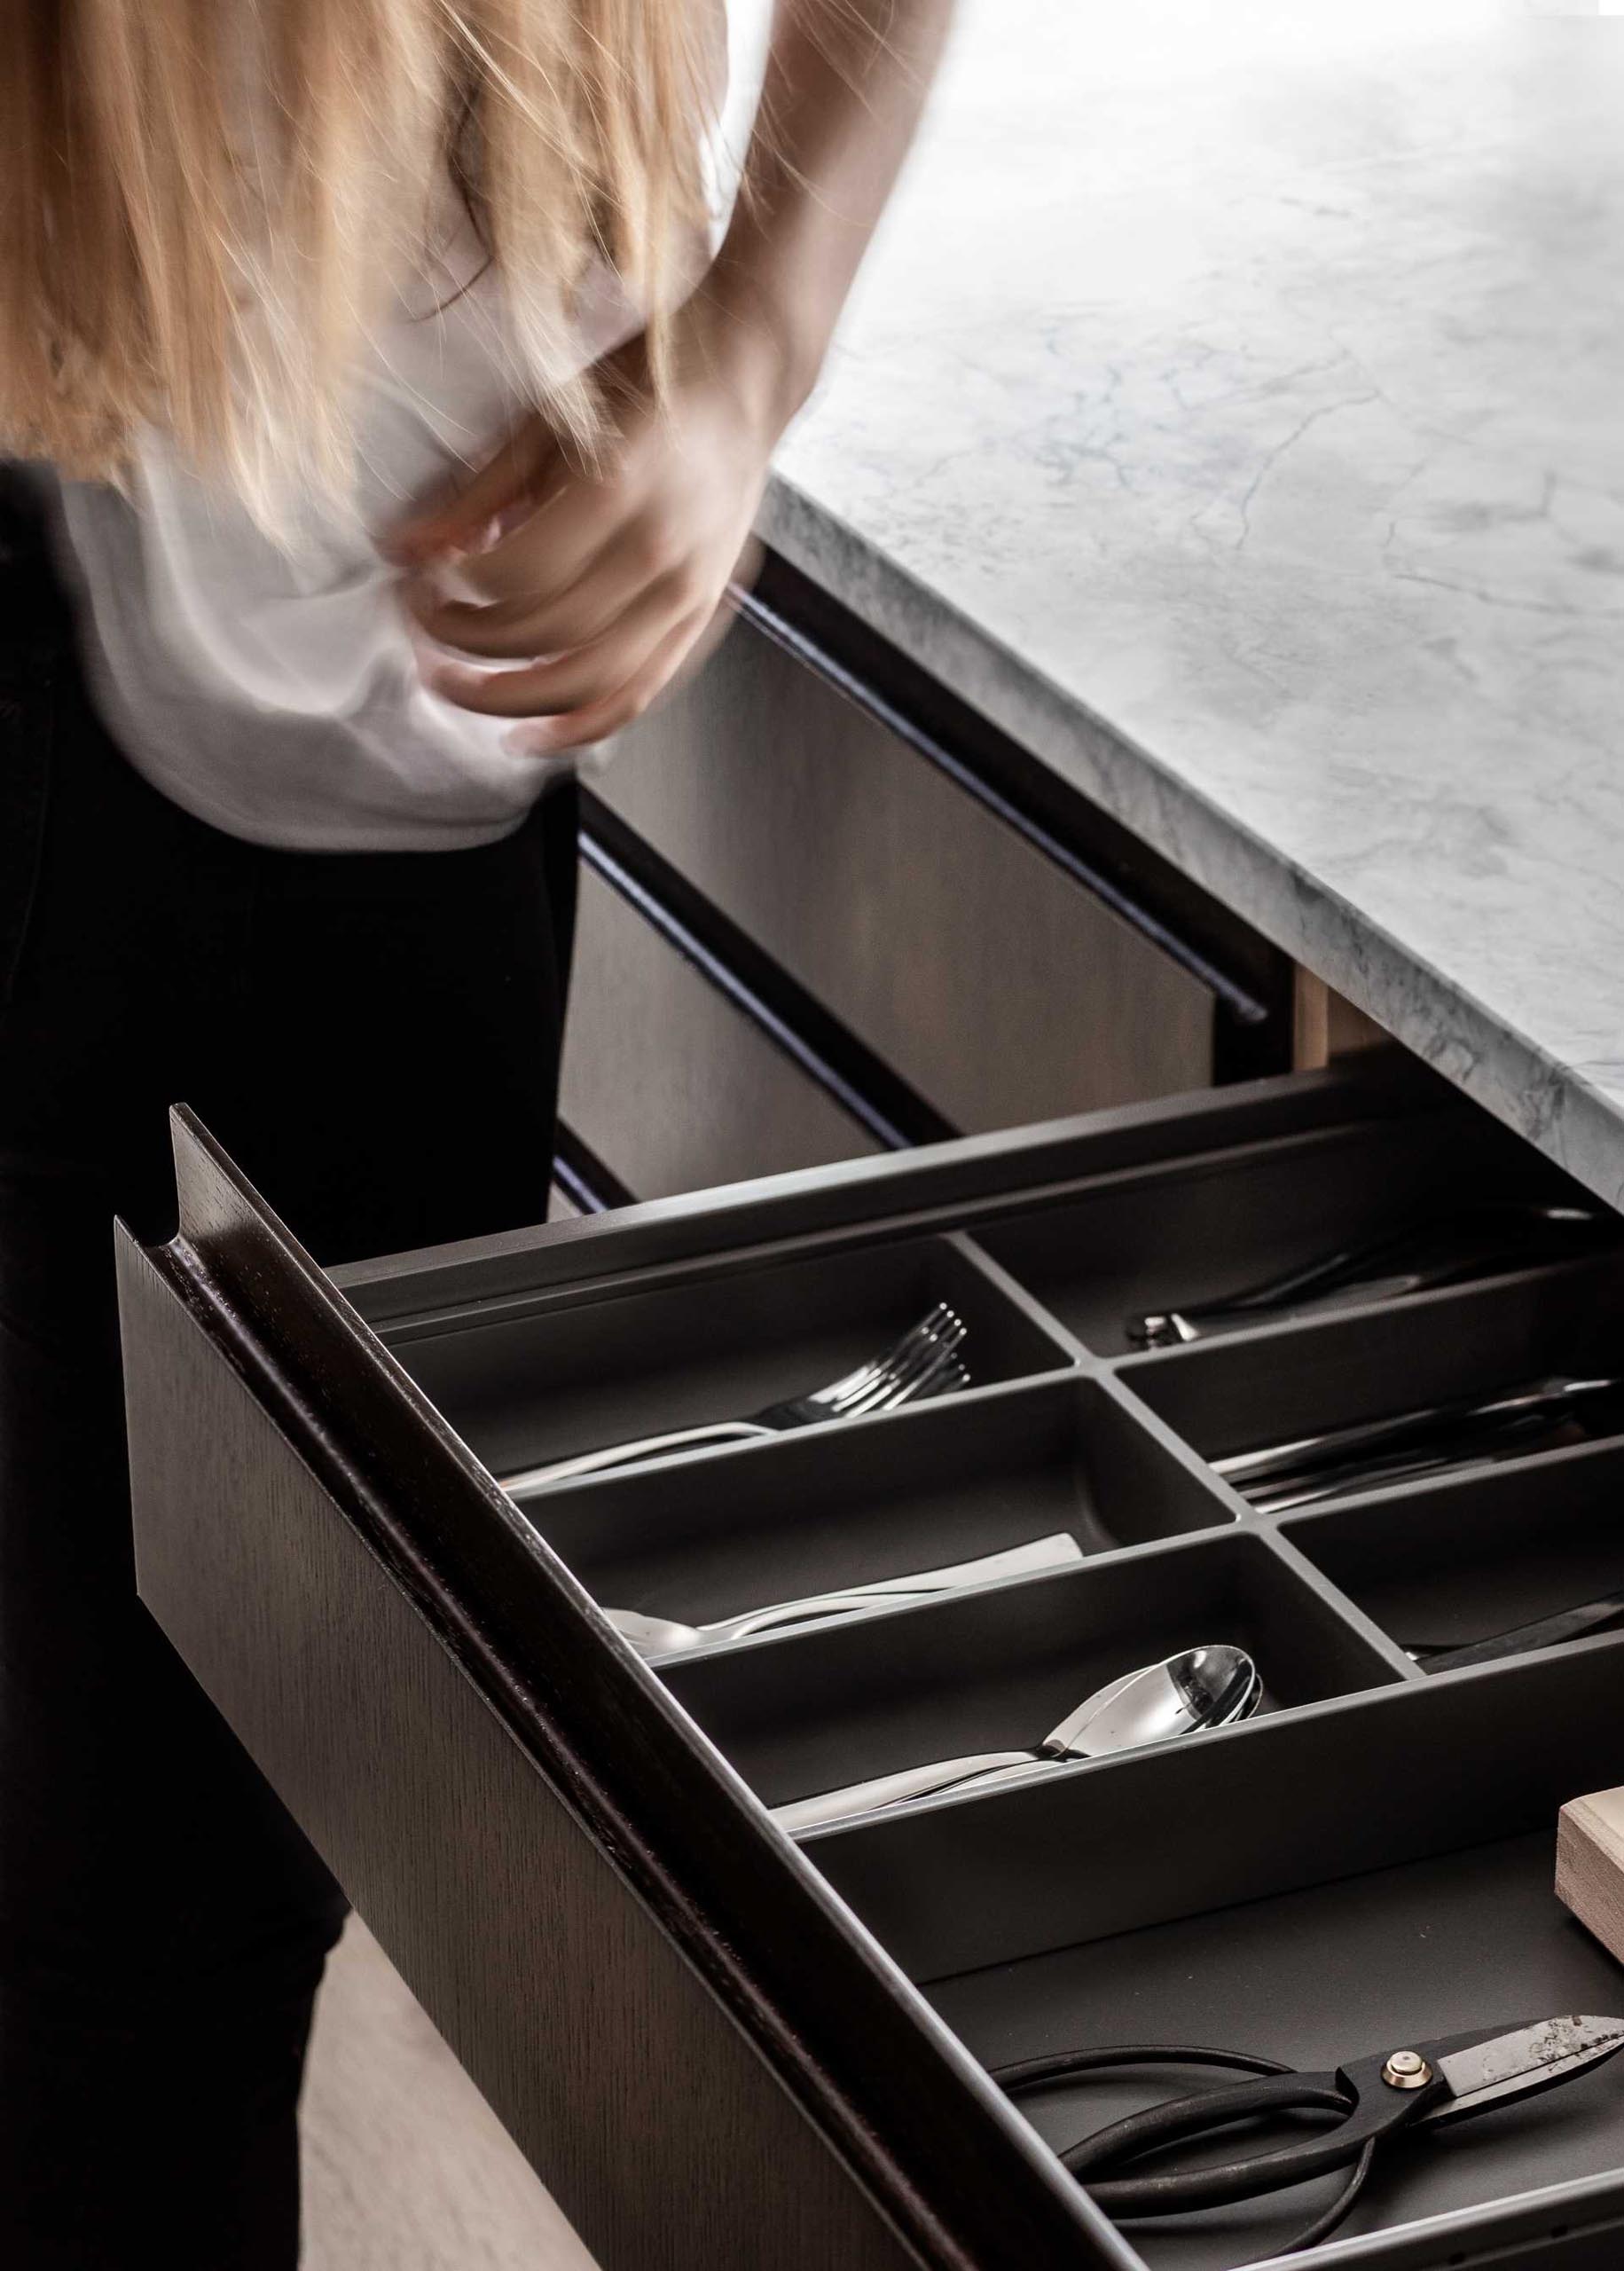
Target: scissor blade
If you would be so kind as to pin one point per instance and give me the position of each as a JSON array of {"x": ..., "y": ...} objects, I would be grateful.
[{"x": 1528, "y": 2058}]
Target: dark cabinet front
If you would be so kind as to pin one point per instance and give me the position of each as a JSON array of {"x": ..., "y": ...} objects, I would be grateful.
[{"x": 826, "y": 909}]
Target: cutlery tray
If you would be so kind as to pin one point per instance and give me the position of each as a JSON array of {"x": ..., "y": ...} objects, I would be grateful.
[{"x": 722, "y": 2047}]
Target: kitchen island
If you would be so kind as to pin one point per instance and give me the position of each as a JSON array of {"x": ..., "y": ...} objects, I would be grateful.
[{"x": 1232, "y": 416}]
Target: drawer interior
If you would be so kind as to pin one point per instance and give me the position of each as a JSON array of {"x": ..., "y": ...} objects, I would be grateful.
[
  {"x": 997, "y": 1668},
  {"x": 1389, "y": 1956},
  {"x": 1478, "y": 1554},
  {"x": 1368, "y": 1859},
  {"x": 1325, "y": 1884},
  {"x": 706, "y": 1343},
  {"x": 1283, "y": 1383},
  {"x": 1167, "y": 1240},
  {"x": 943, "y": 1483}
]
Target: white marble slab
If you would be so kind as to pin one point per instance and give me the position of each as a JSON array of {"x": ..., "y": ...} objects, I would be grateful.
[{"x": 1233, "y": 408}]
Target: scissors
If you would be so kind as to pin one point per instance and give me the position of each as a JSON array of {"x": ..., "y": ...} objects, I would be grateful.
[{"x": 1414, "y": 2086}]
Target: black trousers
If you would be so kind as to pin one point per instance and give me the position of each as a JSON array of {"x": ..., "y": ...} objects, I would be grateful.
[{"x": 375, "y": 1038}]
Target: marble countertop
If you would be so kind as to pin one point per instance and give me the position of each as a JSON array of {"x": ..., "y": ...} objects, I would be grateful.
[{"x": 1232, "y": 408}]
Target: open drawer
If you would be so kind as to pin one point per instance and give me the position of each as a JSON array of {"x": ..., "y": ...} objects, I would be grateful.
[{"x": 723, "y": 2046}]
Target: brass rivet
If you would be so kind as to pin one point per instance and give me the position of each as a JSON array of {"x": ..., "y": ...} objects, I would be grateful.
[{"x": 1406, "y": 2070}]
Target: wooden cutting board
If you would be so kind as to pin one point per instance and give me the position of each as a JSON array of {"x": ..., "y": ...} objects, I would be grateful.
[{"x": 1590, "y": 1864}]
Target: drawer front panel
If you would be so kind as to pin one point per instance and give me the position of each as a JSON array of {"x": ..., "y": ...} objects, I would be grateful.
[
  {"x": 996, "y": 985},
  {"x": 666, "y": 1082},
  {"x": 618, "y": 2073}
]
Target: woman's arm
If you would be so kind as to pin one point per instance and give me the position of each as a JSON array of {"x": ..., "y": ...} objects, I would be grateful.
[{"x": 617, "y": 577}]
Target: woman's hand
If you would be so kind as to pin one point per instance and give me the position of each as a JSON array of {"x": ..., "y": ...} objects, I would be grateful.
[
  {"x": 616, "y": 579},
  {"x": 611, "y": 580}
]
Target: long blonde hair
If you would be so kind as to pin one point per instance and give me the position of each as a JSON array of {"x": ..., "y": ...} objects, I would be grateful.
[{"x": 132, "y": 233}]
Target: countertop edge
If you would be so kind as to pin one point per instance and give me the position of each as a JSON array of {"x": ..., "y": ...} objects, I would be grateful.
[{"x": 1550, "y": 1103}]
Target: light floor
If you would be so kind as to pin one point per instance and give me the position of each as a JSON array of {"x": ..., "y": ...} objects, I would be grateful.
[{"x": 405, "y": 2166}]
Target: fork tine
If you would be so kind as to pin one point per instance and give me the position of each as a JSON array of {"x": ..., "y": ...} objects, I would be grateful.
[
  {"x": 840, "y": 1393},
  {"x": 936, "y": 1334},
  {"x": 940, "y": 1375},
  {"x": 944, "y": 1325},
  {"x": 884, "y": 1392},
  {"x": 922, "y": 1351},
  {"x": 851, "y": 1383},
  {"x": 881, "y": 1368},
  {"x": 932, "y": 1352},
  {"x": 940, "y": 1326},
  {"x": 949, "y": 1374}
]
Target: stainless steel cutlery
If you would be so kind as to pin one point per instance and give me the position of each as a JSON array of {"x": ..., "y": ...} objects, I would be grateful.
[
  {"x": 1199, "y": 1688},
  {"x": 1450, "y": 1249},
  {"x": 1545, "y": 1632},
  {"x": 1432, "y": 1439},
  {"x": 661, "y": 1636},
  {"x": 922, "y": 1363}
]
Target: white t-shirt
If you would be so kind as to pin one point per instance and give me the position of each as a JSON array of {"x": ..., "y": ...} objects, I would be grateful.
[{"x": 275, "y": 694}]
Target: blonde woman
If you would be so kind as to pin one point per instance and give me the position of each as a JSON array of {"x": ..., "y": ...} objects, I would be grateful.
[{"x": 380, "y": 433}]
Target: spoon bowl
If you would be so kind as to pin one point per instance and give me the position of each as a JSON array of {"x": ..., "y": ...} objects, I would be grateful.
[
  {"x": 1187, "y": 1694},
  {"x": 1199, "y": 1687}
]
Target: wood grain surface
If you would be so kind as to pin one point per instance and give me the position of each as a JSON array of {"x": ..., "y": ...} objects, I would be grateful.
[
  {"x": 1590, "y": 1864},
  {"x": 995, "y": 984},
  {"x": 625, "y": 2084}
]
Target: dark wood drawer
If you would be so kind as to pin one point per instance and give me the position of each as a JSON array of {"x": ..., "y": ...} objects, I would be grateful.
[
  {"x": 666, "y": 1082},
  {"x": 952, "y": 943},
  {"x": 721, "y": 2048}
]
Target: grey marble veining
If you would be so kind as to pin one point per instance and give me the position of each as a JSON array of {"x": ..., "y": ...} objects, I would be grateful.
[{"x": 1233, "y": 408}]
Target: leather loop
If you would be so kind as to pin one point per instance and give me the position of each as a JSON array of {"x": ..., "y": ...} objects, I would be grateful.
[{"x": 1176, "y": 2190}]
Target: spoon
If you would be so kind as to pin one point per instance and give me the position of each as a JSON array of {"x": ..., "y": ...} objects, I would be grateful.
[
  {"x": 664, "y": 1636},
  {"x": 1199, "y": 1688}
]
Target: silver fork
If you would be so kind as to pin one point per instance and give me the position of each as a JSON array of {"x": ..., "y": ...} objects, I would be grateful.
[{"x": 921, "y": 1364}]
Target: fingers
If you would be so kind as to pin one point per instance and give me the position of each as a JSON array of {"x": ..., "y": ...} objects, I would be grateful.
[
  {"x": 520, "y": 581},
  {"x": 582, "y": 518},
  {"x": 535, "y": 624},
  {"x": 514, "y": 475},
  {"x": 567, "y": 681},
  {"x": 580, "y": 728}
]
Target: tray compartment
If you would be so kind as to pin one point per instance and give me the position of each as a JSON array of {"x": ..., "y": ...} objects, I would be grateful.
[
  {"x": 1284, "y": 1382},
  {"x": 996, "y": 1670},
  {"x": 1453, "y": 1561},
  {"x": 1334, "y": 1881},
  {"x": 937, "y": 1186},
  {"x": 683, "y": 1346},
  {"x": 1399, "y": 1773},
  {"x": 1170, "y": 1237},
  {"x": 1405, "y": 1954},
  {"x": 944, "y": 1483}
]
